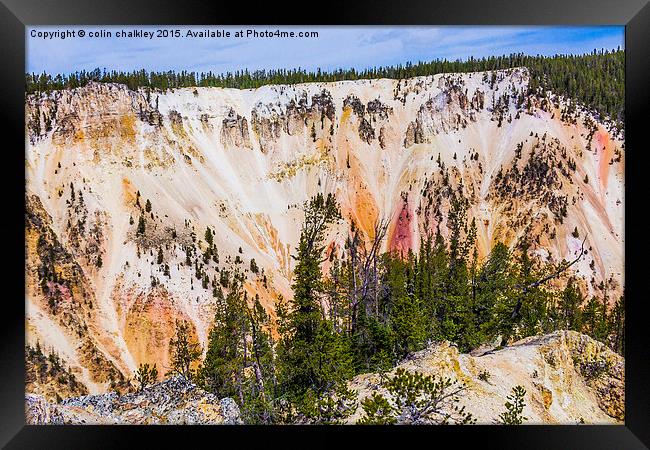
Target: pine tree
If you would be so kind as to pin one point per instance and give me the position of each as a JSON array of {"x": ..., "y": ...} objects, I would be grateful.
[
  {"x": 458, "y": 322},
  {"x": 617, "y": 326},
  {"x": 592, "y": 314},
  {"x": 184, "y": 352},
  {"x": 223, "y": 366},
  {"x": 570, "y": 301},
  {"x": 141, "y": 225},
  {"x": 513, "y": 415},
  {"x": 416, "y": 399},
  {"x": 145, "y": 375},
  {"x": 259, "y": 402},
  {"x": 407, "y": 315},
  {"x": 495, "y": 302},
  {"x": 311, "y": 356},
  {"x": 530, "y": 313},
  {"x": 438, "y": 267}
]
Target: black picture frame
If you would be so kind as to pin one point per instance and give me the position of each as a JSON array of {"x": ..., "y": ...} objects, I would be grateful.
[{"x": 15, "y": 15}]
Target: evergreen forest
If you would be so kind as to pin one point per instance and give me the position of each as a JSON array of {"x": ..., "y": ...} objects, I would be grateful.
[{"x": 370, "y": 310}]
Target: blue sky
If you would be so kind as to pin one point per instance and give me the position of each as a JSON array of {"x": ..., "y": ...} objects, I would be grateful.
[{"x": 335, "y": 47}]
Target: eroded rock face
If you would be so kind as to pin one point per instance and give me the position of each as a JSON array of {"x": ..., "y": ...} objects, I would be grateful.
[
  {"x": 370, "y": 117},
  {"x": 75, "y": 114},
  {"x": 557, "y": 371},
  {"x": 267, "y": 128},
  {"x": 174, "y": 401},
  {"x": 55, "y": 277},
  {"x": 300, "y": 117},
  {"x": 602, "y": 369},
  {"x": 242, "y": 162},
  {"x": 234, "y": 131},
  {"x": 450, "y": 110}
]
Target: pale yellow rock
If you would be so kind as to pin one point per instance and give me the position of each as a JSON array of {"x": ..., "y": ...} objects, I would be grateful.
[{"x": 556, "y": 393}]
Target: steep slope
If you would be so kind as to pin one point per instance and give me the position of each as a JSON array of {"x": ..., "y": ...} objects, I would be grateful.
[{"x": 121, "y": 186}]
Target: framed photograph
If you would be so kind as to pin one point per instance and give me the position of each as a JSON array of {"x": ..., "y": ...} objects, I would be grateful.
[{"x": 269, "y": 227}]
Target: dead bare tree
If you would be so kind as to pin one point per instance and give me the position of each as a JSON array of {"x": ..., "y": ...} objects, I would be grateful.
[{"x": 363, "y": 260}]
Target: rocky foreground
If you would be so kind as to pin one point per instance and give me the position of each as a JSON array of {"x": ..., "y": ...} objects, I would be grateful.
[
  {"x": 569, "y": 378},
  {"x": 173, "y": 401}
]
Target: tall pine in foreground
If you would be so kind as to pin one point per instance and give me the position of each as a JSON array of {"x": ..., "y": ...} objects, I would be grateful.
[
  {"x": 223, "y": 366},
  {"x": 185, "y": 351},
  {"x": 260, "y": 387},
  {"x": 407, "y": 314},
  {"x": 239, "y": 360},
  {"x": 569, "y": 313},
  {"x": 312, "y": 357}
]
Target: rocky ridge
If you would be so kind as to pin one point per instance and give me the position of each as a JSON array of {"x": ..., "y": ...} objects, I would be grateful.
[
  {"x": 569, "y": 379},
  {"x": 174, "y": 401}
]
